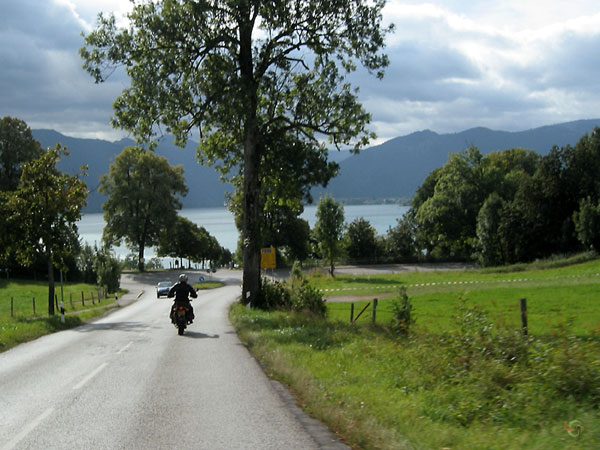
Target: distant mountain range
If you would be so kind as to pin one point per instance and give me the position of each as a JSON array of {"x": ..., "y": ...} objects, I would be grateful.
[
  {"x": 205, "y": 188},
  {"x": 396, "y": 168},
  {"x": 392, "y": 170}
]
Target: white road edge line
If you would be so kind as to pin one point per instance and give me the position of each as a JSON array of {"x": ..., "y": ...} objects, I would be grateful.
[
  {"x": 90, "y": 376},
  {"x": 27, "y": 429},
  {"x": 125, "y": 348}
]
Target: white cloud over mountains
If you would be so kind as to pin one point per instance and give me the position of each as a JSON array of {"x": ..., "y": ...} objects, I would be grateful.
[{"x": 508, "y": 65}]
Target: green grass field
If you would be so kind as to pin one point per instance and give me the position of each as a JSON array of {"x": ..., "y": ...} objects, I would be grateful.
[
  {"x": 548, "y": 307},
  {"x": 566, "y": 296},
  {"x": 27, "y": 319},
  {"x": 21, "y": 323},
  {"x": 465, "y": 377}
]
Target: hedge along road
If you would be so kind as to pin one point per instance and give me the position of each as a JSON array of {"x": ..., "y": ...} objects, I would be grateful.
[{"x": 129, "y": 381}]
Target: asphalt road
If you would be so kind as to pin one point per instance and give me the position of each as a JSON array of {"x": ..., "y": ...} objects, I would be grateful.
[{"x": 128, "y": 381}]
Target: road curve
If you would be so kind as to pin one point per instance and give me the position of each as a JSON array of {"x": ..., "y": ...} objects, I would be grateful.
[{"x": 128, "y": 381}]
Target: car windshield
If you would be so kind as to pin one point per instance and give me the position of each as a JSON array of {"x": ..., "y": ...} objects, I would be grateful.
[{"x": 164, "y": 284}]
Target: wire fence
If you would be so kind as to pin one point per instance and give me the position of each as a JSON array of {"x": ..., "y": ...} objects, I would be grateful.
[
  {"x": 373, "y": 311},
  {"x": 32, "y": 306},
  {"x": 354, "y": 311}
]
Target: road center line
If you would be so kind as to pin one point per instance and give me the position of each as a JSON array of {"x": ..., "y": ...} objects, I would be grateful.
[
  {"x": 27, "y": 429},
  {"x": 125, "y": 348},
  {"x": 90, "y": 376}
]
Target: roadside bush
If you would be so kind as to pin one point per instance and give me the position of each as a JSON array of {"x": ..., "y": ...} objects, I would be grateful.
[
  {"x": 108, "y": 270},
  {"x": 85, "y": 264},
  {"x": 299, "y": 296},
  {"x": 402, "y": 311},
  {"x": 510, "y": 377},
  {"x": 308, "y": 299},
  {"x": 275, "y": 295},
  {"x": 296, "y": 275},
  {"x": 570, "y": 367}
]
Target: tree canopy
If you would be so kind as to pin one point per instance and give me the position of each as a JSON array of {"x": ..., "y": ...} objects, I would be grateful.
[
  {"x": 17, "y": 146},
  {"x": 185, "y": 239},
  {"x": 510, "y": 206},
  {"x": 42, "y": 214},
  {"x": 252, "y": 77},
  {"x": 329, "y": 230},
  {"x": 142, "y": 190},
  {"x": 362, "y": 239}
]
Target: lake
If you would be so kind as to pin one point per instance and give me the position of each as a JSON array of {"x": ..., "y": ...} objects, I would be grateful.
[{"x": 219, "y": 222}]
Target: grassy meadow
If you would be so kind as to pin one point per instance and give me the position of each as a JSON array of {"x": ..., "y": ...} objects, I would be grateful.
[
  {"x": 465, "y": 376},
  {"x": 25, "y": 324}
]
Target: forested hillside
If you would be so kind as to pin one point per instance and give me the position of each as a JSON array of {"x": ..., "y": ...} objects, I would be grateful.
[
  {"x": 396, "y": 168},
  {"x": 205, "y": 188},
  {"x": 392, "y": 170}
]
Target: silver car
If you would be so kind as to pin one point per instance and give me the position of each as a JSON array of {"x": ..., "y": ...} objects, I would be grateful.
[{"x": 163, "y": 288}]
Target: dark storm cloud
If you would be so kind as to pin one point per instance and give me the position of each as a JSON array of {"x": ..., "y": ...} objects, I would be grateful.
[
  {"x": 453, "y": 65},
  {"x": 41, "y": 79}
]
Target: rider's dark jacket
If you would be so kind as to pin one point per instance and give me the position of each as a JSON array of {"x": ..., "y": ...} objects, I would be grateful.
[{"x": 181, "y": 290}]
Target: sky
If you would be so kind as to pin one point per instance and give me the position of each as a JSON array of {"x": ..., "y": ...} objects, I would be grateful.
[{"x": 507, "y": 65}]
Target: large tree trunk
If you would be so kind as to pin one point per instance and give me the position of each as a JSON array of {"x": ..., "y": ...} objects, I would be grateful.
[
  {"x": 141, "y": 258},
  {"x": 50, "y": 287},
  {"x": 252, "y": 211},
  {"x": 251, "y": 219}
]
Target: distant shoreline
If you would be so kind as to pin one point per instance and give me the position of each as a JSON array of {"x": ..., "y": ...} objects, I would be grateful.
[{"x": 401, "y": 201}]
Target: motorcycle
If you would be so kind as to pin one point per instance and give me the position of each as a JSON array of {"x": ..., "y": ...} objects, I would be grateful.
[{"x": 179, "y": 316}]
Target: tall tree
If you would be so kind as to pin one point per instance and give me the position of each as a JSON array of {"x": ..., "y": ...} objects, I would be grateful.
[
  {"x": 142, "y": 190},
  {"x": 17, "y": 146},
  {"x": 489, "y": 242},
  {"x": 185, "y": 239},
  {"x": 43, "y": 212},
  {"x": 447, "y": 219},
  {"x": 400, "y": 242},
  {"x": 362, "y": 239},
  {"x": 243, "y": 72},
  {"x": 587, "y": 223},
  {"x": 329, "y": 230}
]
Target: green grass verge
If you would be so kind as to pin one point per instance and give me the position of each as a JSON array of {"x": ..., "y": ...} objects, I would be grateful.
[
  {"x": 466, "y": 377},
  {"x": 23, "y": 324},
  {"x": 206, "y": 285}
]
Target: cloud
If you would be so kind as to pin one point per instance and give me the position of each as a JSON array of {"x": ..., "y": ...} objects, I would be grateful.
[
  {"x": 453, "y": 70},
  {"x": 506, "y": 65},
  {"x": 42, "y": 80}
]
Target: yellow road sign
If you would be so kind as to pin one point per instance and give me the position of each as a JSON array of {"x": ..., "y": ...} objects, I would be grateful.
[{"x": 267, "y": 258}]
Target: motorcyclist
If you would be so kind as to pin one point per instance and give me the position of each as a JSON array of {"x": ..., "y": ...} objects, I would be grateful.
[{"x": 181, "y": 291}]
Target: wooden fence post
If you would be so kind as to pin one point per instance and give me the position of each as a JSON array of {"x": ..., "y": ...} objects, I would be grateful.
[
  {"x": 374, "y": 309},
  {"x": 82, "y": 299},
  {"x": 93, "y": 298},
  {"x": 524, "y": 315},
  {"x": 71, "y": 299},
  {"x": 12, "y": 308},
  {"x": 362, "y": 311},
  {"x": 351, "y": 312},
  {"x": 33, "y": 301}
]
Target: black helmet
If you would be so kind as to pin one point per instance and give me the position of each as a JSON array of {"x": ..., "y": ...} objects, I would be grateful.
[{"x": 183, "y": 278}]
